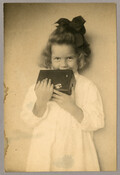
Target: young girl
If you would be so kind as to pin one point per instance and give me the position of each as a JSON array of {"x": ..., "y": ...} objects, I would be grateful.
[{"x": 63, "y": 125}]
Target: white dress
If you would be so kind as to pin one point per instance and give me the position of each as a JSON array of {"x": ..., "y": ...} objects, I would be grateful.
[{"x": 59, "y": 142}]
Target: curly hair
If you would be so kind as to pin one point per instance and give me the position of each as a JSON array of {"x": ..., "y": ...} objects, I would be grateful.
[{"x": 71, "y": 33}]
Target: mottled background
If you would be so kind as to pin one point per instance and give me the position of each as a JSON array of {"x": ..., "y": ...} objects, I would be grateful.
[{"x": 26, "y": 29}]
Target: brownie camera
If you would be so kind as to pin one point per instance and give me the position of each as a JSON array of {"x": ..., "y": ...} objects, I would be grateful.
[{"x": 63, "y": 80}]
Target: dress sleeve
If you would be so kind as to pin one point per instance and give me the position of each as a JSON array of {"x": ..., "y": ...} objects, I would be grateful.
[
  {"x": 26, "y": 114},
  {"x": 92, "y": 110}
]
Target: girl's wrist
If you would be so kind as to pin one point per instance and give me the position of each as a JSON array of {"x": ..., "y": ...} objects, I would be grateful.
[
  {"x": 39, "y": 109},
  {"x": 40, "y": 104},
  {"x": 77, "y": 113}
]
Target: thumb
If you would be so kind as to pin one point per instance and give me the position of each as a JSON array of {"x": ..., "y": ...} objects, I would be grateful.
[{"x": 73, "y": 93}]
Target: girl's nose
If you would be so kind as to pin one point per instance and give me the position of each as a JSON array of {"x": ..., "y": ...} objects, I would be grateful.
[{"x": 63, "y": 63}]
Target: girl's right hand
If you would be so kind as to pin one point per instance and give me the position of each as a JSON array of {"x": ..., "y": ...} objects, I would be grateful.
[{"x": 44, "y": 91}]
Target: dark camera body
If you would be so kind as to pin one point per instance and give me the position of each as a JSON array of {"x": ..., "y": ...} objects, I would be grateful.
[{"x": 63, "y": 80}]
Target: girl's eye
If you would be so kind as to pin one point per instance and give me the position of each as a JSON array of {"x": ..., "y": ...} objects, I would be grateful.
[
  {"x": 57, "y": 58},
  {"x": 69, "y": 58}
]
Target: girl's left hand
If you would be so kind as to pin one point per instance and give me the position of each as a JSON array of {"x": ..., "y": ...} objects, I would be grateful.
[{"x": 67, "y": 102}]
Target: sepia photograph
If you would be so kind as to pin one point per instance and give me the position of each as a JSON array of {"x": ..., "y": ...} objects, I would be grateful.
[{"x": 60, "y": 87}]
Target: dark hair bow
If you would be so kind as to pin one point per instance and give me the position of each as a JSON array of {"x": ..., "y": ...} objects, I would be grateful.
[
  {"x": 63, "y": 24},
  {"x": 76, "y": 26}
]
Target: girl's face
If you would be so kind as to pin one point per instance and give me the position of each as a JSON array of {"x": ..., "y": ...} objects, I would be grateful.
[{"x": 63, "y": 57}]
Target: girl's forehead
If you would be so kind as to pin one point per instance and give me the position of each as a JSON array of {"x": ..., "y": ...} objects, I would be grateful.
[{"x": 62, "y": 49}]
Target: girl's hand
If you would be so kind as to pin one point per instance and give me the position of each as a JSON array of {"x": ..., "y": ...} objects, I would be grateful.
[
  {"x": 65, "y": 101},
  {"x": 44, "y": 91}
]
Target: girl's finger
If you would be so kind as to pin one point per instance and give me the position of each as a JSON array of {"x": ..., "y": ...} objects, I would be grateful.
[
  {"x": 57, "y": 96},
  {"x": 37, "y": 85},
  {"x": 51, "y": 87},
  {"x": 41, "y": 83},
  {"x": 45, "y": 82},
  {"x": 56, "y": 100},
  {"x": 73, "y": 93},
  {"x": 49, "y": 82},
  {"x": 58, "y": 92}
]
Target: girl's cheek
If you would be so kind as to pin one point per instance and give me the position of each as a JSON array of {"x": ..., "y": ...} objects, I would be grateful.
[
  {"x": 71, "y": 65},
  {"x": 55, "y": 65}
]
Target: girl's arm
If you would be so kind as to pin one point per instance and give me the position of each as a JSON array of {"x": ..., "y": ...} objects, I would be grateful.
[
  {"x": 90, "y": 115},
  {"x": 35, "y": 106},
  {"x": 43, "y": 91},
  {"x": 67, "y": 102},
  {"x": 76, "y": 112},
  {"x": 28, "y": 114},
  {"x": 39, "y": 110},
  {"x": 92, "y": 110}
]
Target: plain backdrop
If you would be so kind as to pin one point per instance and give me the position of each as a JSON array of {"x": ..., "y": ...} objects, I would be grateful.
[{"x": 26, "y": 30}]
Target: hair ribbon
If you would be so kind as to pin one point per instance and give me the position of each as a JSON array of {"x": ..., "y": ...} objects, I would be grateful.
[{"x": 75, "y": 26}]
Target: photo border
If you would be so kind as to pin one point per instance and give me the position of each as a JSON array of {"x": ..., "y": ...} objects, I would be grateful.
[{"x": 2, "y": 171}]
